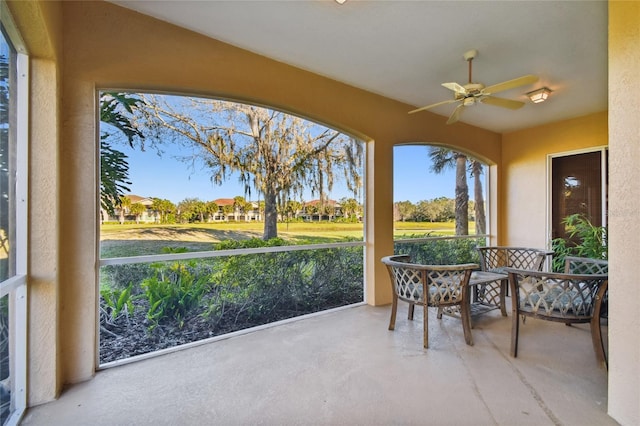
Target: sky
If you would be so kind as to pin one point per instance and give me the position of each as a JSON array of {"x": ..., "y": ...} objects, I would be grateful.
[
  {"x": 168, "y": 177},
  {"x": 165, "y": 175}
]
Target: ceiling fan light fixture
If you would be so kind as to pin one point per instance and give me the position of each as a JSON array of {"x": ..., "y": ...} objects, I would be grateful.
[{"x": 539, "y": 95}]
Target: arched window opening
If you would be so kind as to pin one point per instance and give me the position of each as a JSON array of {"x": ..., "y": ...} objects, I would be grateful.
[
  {"x": 440, "y": 200},
  {"x": 219, "y": 216}
]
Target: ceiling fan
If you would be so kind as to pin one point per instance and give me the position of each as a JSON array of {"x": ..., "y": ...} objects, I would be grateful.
[{"x": 472, "y": 93}]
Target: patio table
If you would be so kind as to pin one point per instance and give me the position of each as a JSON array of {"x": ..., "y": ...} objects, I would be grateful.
[{"x": 484, "y": 297}]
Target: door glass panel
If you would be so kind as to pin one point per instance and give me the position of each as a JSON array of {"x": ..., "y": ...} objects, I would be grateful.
[{"x": 577, "y": 189}]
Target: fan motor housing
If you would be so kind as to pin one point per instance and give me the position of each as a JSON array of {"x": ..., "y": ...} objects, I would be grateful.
[
  {"x": 471, "y": 100},
  {"x": 474, "y": 88}
]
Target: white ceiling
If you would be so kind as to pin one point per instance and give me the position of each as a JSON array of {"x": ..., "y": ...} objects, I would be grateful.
[{"x": 404, "y": 50}]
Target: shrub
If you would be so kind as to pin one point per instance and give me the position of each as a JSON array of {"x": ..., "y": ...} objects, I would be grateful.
[
  {"x": 117, "y": 277},
  {"x": 174, "y": 291},
  {"x": 256, "y": 289},
  {"x": 585, "y": 240},
  {"x": 117, "y": 302},
  {"x": 249, "y": 243},
  {"x": 442, "y": 251}
]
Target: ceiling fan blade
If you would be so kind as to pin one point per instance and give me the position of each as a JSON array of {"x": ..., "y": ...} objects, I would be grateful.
[
  {"x": 433, "y": 105},
  {"x": 455, "y": 115},
  {"x": 501, "y": 102},
  {"x": 511, "y": 84},
  {"x": 456, "y": 88}
]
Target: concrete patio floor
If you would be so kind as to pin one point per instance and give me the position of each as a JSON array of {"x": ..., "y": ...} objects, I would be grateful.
[{"x": 346, "y": 368}]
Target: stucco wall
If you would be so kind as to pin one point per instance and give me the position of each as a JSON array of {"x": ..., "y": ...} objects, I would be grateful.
[
  {"x": 109, "y": 47},
  {"x": 40, "y": 27},
  {"x": 624, "y": 211},
  {"x": 524, "y": 174},
  {"x": 105, "y": 46}
]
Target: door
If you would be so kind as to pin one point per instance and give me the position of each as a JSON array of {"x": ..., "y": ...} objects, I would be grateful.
[{"x": 578, "y": 186}]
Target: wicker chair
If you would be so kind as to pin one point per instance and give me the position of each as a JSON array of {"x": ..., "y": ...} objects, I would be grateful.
[
  {"x": 496, "y": 259},
  {"x": 445, "y": 285},
  {"x": 559, "y": 297},
  {"x": 586, "y": 265}
]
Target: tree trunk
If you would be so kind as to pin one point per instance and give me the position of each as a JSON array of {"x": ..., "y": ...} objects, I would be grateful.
[
  {"x": 478, "y": 194},
  {"x": 462, "y": 196},
  {"x": 270, "y": 215}
]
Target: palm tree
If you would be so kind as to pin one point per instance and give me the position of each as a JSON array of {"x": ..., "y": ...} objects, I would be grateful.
[
  {"x": 212, "y": 209},
  {"x": 478, "y": 196},
  {"x": 137, "y": 209},
  {"x": 125, "y": 204},
  {"x": 350, "y": 208},
  {"x": 292, "y": 208},
  {"x": 114, "y": 167},
  {"x": 443, "y": 158},
  {"x": 227, "y": 210},
  {"x": 163, "y": 208}
]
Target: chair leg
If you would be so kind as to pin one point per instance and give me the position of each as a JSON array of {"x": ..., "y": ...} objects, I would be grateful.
[
  {"x": 504, "y": 290},
  {"x": 596, "y": 329},
  {"x": 439, "y": 316},
  {"x": 515, "y": 328},
  {"x": 412, "y": 307},
  {"x": 425, "y": 326},
  {"x": 598, "y": 344},
  {"x": 394, "y": 308},
  {"x": 515, "y": 318},
  {"x": 465, "y": 313}
]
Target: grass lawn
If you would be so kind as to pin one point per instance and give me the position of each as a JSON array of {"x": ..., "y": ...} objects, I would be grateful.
[{"x": 144, "y": 239}]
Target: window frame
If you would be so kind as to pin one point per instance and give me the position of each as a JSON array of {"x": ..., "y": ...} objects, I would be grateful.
[
  {"x": 216, "y": 253},
  {"x": 15, "y": 287}
]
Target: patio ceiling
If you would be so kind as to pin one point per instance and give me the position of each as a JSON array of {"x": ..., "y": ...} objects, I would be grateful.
[{"x": 405, "y": 50}]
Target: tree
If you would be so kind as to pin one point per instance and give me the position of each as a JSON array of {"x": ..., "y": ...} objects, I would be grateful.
[
  {"x": 211, "y": 209},
  {"x": 277, "y": 154},
  {"x": 227, "y": 210},
  {"x": 192, "y": 210},
  {"x": 292, "y": 208},
  {"x": 125, "y": 204},
  {"x": 443, "y": 158},
  {"x": 114, "y": 168},
  {"x": 163, "y": 208},
  {"x": 478, "y": 196},
  {"x": 137, "y": 209},
  {"x": 405, "y": 210},
  {"x": 242, "y": 206},
  {"x": 312, "y": 209},
  {"x": 199, "y": 208},
  {"x": 350, "y": 208}
]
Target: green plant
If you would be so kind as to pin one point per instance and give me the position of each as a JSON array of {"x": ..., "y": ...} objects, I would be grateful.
[
  {"x": 584, "y": 240},
  {"x": 256, "y": 289},
  {"x": 117, "y": 302},
  {"x": 441, "y": 251},
  {"x": 173, "y": 292},
  {"x": 168, "y": 250}
]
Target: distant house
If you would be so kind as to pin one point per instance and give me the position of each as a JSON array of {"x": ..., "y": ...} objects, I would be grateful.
[
  {"x": 316, "y": 210},
  {"x": 236, "y": 213},
  {"x": 148, "y": 215}
]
